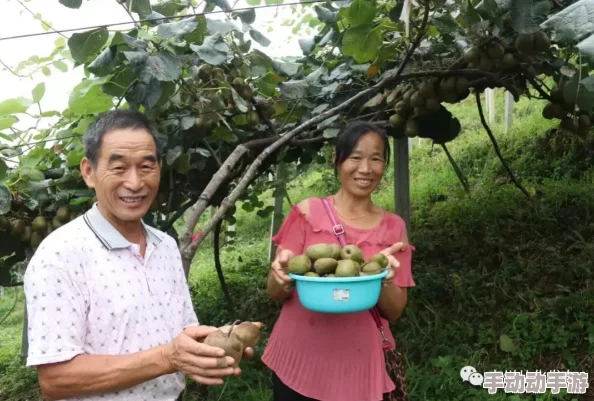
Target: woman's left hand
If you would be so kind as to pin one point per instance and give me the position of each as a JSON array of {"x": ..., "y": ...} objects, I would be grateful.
[{"x": 392, "y": 262}]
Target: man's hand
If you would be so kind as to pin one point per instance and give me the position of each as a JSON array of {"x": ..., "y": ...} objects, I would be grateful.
[
  {"x": 200, "y": 362},
  {"x": 392, "y": 262},
  {"x": 278, "y": 269}
]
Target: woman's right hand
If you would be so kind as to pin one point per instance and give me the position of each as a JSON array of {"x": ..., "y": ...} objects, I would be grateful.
[{"x": 277, "y": 270}]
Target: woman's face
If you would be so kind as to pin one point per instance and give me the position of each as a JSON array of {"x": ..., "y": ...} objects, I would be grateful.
[{"x": 361, "y": 172}]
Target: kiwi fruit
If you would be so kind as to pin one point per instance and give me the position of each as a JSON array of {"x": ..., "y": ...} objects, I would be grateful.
[
  {"x": 426, "y": 89},
  {"x": 508, "y": 61},
  {"x": 557, "y": 94},
  {"x": 525, "y": 43},
  {"x": 205, "y": 72},
  {"x": 462, "y": 85},
  {"x": 380, "y": 259},
  {"x": 472, "y": 55},
  {"x": 253, "y": 118},
  {"x": 56, "y": 222},
  {"x": 410, "y": 129},
  {"x": 371, "y": 266},
  {"x": 311, "y": 274},
  {"x": 396, "y": 120},
  {"x": 230, "y": 343},
  {"x": 485, "y": 64},
  {"x": 17, "y": 227},
  {"x": 26, "y": 234},
  {"x": 39, "y": 224},
  {"x": 402, "y": 107},
  {"x": 432, "y": 105},
  {"x": 352, "y": 252},
  {"x": 299, "y": 264},
  {"x": 319, "y": 251},
  {"x": 36, "y": 238},
  {"x": 325, "y": 266},
  {"x": 63, "y": 213},
  {"x": 248, "y": 333},
  {"x": 542, "y": 43},
  {"x": 347, "y": 268},
  {"x": 495, "y": 51},
  {"x": 417, "y": 100},
  {"x": 4, "y": 222}
]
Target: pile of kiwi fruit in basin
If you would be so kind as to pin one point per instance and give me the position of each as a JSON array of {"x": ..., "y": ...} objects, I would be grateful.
[{"x": 332, "y": 260}]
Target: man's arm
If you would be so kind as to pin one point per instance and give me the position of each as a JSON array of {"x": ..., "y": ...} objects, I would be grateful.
[{"x": 98, "y": 374}]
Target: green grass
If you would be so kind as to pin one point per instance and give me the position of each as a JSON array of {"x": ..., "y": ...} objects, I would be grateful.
[{"x": 488, "y": 263}]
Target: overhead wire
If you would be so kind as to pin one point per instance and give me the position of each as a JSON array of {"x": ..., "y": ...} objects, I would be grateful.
[{"x": 164, "y": 18}]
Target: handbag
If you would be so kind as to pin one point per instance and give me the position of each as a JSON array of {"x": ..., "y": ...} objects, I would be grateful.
[{"x": 393, "y": 357}]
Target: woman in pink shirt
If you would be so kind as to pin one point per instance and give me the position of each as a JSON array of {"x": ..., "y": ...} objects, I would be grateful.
[{"x": 339, "y": 357}]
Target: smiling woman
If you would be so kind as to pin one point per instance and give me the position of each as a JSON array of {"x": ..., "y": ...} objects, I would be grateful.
[
  {"x": 344, "y": 349},
  {"x": 122, "y": 163}
]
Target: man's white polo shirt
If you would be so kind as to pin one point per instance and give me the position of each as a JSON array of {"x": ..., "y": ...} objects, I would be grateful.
[{"x": 89, "y": 291}]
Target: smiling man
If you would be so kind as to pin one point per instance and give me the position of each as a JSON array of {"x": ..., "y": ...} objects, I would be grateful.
[{"x": 109, "y": 311}]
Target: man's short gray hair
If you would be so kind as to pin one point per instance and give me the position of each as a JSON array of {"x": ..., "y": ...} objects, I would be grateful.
[{"x": 116, "y": 119}]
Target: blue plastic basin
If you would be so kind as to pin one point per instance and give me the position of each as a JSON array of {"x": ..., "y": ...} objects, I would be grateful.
[{"x": 338, "y": 294}]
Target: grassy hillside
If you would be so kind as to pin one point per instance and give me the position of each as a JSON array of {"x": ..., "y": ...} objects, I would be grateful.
[{"x": 488, "y": 263}]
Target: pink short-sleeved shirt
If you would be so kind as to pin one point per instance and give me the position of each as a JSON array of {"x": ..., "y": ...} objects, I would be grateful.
[
  {"x": 90, "y": 291},
  {"x": 325, "y": 356}
]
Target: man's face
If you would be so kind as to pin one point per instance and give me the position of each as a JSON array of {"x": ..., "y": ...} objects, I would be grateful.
[{"x": 127, "y": 175}]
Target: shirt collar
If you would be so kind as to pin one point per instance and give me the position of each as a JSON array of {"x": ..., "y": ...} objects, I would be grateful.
[{"x": 109, "y": 236}]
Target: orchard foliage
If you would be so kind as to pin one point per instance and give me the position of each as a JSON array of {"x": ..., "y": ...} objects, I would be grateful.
[{"x": 209, "y": 90}]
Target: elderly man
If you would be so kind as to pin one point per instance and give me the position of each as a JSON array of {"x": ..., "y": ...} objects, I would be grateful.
[{"x": 109, "y": 311}]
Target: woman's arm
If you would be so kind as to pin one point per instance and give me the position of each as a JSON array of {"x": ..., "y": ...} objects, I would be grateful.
[{"x": 392, "y": 301}]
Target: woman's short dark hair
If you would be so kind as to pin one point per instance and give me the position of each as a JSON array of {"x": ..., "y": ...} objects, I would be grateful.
[{"x": 349, "y": 136}]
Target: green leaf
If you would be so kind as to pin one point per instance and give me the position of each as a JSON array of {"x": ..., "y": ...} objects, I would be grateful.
[
  {"x": 222, "y": 27},
  {"x": 307, "y": 46},
  {"x": 87, "y": 98},
  {"x": 5, "y": 198},
  {"x": 38, "y": 92},
  {"x": 325, "y": 15},
  {"x": 177, "y": 29},
  {"x": 119, "y": 81},
  {"x": 247, "y": 16},
  {"x": 142, "y": 7},
  {"x": 527, "y": 15},
  {"x": 30, "y": 174},
  {"x": 253, "y": 2},
  {"x": 60, "y": 65},
  {"x": 85, "y": 44},
  {"x": 240, "y": 102},
  {"x": 14, "y": 106},
  {"x": 7, "y": 122},
  {"x": 361, "y": 43},
  {"x": 168, "y": 7},
  {"x": 74, "y": 157},
  {"x": 273, "y": 2},
  {"x": 258, "y": 37},
  {"x": 105, "y": 62},
  {"x": 146, "y": 94},
  {"x": 571, "y": 24},
  {"x": 223, "y": 4},
  {"x": 173, "y": 154},
  {"x": 581, "y": 93},
  {"x": 46, "y": 71},
  {"x": 213, "y": 51},
  {"x": 182, "y": 164},
  {"x": 361, "y": 12},
  {"x": 506, "y": 343},
  {"x": 163, "y": 66},
  {"x": 71, "y": 3}
]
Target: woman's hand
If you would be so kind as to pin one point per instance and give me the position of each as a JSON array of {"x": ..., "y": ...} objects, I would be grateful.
[
  {"x": 392, "y": 262},
  {"x": 277, "y": 270}
]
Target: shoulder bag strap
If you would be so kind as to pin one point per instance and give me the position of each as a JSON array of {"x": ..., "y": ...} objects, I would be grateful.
[{"x": 338, "y": 230}]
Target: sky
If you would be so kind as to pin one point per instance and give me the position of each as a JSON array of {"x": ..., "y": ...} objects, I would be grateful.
[{"x": 16, "y": 20}]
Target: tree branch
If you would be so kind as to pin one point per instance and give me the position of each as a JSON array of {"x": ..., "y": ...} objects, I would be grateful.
[
  {"x": 169, "y": 223},
  {"x": 219, "y": 268},
  {"x": 496, "y": 146},
  {"x": 459, "y": 173}
]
